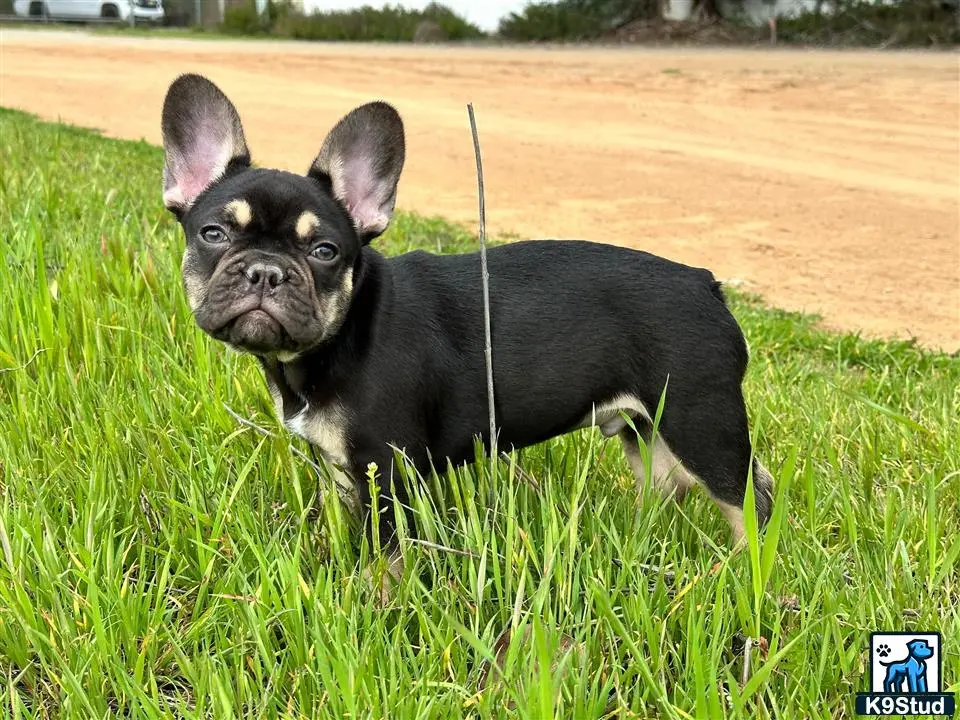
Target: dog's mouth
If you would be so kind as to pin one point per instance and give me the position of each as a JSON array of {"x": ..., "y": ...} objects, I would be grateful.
[
  {"x": 260, "y": 324},
  {"x": 257, "y": 331},
  {"x": 248, "y": 323}
]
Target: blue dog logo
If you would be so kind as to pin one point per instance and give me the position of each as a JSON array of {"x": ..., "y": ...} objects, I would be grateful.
[
  {"x": 906, "y": 677},
  {"x": 911, "y": 671}
]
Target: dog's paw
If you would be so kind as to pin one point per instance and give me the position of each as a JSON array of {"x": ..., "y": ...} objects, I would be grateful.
[{"x": 883, "y": 650}]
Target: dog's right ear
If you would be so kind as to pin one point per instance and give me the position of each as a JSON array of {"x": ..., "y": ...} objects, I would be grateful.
[{"x": 202, "y": 138}]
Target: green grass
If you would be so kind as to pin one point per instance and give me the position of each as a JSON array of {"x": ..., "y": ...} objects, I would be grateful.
[{"x": 158, "y": 559}]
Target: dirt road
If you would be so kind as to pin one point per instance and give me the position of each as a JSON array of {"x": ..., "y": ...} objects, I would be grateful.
[{"x": 825, "y": 181}]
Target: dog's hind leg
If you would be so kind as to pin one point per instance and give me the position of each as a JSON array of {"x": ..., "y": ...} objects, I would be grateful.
[
  {"x": 667, "y": 473},
  {"x": 712, "y": 440},
  {"x": 893, "y": 682},
  {"x": 704, "y": 440}
]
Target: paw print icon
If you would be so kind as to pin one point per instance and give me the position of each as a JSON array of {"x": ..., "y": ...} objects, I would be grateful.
[{"x": 883, "y": 650}]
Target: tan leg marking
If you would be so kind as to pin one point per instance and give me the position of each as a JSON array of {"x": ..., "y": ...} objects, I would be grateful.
[
  {"x": 734, "y": 516},
  {"x": 669, "y": 475},
  {"x": 671, "y": 478}
]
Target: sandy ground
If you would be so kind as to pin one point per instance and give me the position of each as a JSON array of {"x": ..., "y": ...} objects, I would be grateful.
[{"x": 826, "y": 181}]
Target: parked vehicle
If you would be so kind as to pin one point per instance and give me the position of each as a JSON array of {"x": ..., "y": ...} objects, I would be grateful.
[{"x": 131, "y": 12}]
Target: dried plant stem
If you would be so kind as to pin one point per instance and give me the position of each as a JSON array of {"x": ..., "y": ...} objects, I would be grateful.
[
  {"x": 263, "y": 431},
  {"x": 485, "y": 277},
  {"x": 27, "y": 364},
  {"x": 747, "y": 647}
]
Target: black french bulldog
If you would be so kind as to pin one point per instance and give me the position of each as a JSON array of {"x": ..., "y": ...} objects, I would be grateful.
[{"x": 363, "y": 353}]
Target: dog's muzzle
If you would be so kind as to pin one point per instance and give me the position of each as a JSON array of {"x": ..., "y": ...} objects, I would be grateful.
[{"x": 260, "y": 303}]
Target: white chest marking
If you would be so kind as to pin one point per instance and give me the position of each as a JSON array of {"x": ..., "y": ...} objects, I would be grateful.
[{"x": 326, "y": 428}]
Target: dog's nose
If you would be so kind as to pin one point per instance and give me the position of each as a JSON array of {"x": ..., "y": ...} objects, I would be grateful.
[{"x": 260, "y": 272}]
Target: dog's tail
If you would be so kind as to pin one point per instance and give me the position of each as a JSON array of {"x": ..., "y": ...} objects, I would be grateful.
[
  {"x": 716, "y": 287},
  {"x": 763, "y": 488}
]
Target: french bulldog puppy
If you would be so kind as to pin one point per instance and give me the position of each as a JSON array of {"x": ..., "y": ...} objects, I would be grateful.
[{"x": 364, "y": 354}]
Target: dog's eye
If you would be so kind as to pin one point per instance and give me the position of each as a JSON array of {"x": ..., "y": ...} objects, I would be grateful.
[
  {"x": 213, "y": 235},
  {"x": 325, "y": 251}
]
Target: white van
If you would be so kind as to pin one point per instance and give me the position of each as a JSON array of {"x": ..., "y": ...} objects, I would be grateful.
[{"x": 130, "y": 12}]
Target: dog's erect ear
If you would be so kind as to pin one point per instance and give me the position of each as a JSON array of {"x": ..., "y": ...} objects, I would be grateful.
[
  {"x": 202, "y": 136},
  {"x": 361, "y": 159}
]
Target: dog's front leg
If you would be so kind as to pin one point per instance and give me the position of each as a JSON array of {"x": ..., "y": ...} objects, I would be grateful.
[{"x": 916, "y": 678}]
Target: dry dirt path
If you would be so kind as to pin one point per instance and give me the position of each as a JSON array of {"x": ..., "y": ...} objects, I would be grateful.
[{"x": 825, "y": 181}]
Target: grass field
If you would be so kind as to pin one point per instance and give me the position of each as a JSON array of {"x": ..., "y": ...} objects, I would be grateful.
[{"x": 160, "y": 559}]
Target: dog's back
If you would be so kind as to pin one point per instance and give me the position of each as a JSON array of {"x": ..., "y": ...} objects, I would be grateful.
[
  {"x": 578, "y": 326},
  {"x": 595, "y": 319}
]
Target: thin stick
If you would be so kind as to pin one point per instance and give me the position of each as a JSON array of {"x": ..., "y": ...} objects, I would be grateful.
[
  {"x": 33, "y": 357},
  {"x": 747, "y": 647},
  {"x": 485, "y": 275},
  {"x": 263, "y": 431},
  {"x": 444, "y": 548}
]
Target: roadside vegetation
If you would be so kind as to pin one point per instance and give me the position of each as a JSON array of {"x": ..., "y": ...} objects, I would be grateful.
[
  {"x": 892, "y": 23},
  {"x": 389, "y": 23},
  {"x": 829, "y": 23}
]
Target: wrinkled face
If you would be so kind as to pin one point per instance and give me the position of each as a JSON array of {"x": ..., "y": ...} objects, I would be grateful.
[
  {"x": 270, "y": 255},
  {"x": 268, "y": 265}
]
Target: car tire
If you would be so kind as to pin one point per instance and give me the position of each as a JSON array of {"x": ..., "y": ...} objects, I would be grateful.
[{"x": 109, "y": 11}]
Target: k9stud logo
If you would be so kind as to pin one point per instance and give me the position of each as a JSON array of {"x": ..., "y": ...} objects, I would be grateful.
[{"x": 905, "y": 676}]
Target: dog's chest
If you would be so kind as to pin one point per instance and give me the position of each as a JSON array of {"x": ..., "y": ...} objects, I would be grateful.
[{"x": 324, "y": 427}]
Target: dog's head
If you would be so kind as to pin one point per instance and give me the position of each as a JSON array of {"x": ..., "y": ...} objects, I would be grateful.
[
  {"x": 269, "y": 260},
  {"x": 920, "y": 649}
]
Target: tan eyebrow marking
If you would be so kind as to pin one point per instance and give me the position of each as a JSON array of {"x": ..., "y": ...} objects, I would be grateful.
[
  {"x": 241, "y": 211},
  {"x": 306, "y": 224}
]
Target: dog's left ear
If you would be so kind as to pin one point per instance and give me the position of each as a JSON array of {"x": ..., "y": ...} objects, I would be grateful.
[{"x": 361, "y": 160}]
